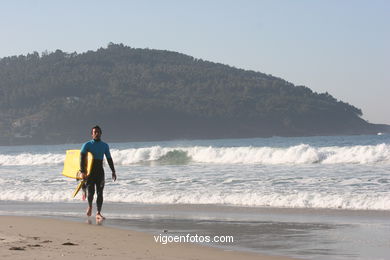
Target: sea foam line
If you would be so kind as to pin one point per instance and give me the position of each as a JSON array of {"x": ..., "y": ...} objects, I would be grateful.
[{"x": 304, "y": 199}]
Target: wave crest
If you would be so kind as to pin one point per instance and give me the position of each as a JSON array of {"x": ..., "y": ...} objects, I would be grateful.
[{"x": 299, "y": 154}]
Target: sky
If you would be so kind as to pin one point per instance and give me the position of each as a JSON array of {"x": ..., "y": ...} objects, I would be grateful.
[{"x": 335, "y": 46}]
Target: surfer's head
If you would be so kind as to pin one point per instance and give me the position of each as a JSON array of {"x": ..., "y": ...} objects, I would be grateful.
[{"x": 96, "y": 132}]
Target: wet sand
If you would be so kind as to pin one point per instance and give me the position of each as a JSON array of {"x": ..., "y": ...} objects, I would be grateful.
[{"x": 45, "y": 238}]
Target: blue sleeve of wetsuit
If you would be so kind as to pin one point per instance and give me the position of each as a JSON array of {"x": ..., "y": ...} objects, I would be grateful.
[{"x": 84, "y": 148}]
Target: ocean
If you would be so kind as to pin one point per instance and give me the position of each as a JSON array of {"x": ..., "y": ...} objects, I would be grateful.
[{"x": 329, "y": 196}]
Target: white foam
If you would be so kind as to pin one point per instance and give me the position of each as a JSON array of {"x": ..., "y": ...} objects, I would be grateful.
[
  {"x": 32, "y": 159},
  {"x": 305, "y": 199},
  {"x": 299, "y": 154}
]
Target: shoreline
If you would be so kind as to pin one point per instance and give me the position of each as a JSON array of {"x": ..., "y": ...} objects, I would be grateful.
[
  {"x": 252, "y": 209},
  {"x": 224, "y": 208},
  {"x": 22, "y": 142},
  {"x": 37, "y": 238}
]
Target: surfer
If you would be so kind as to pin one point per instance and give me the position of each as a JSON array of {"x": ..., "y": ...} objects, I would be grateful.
[{"x": 98, "y": 148}]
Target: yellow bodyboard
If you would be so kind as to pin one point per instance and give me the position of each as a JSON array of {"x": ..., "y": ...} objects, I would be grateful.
[
  {"x": 72, "y": 164},
  {"x": 81, "y": 183}
]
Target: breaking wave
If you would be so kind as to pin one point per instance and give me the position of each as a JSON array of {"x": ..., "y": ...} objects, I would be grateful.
[{"x": 299, "y": 154}]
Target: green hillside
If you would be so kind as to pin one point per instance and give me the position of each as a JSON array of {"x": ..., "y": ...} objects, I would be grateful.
[{"x": 143, "y": 94}]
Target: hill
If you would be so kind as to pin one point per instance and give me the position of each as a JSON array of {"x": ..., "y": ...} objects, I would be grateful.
[{"x": 143, "y": 94}]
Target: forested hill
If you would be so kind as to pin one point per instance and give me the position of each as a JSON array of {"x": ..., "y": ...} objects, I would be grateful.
[{"x": 143, "y": 94}]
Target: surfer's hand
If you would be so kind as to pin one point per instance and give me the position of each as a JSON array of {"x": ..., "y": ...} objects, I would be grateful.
[
  {"x": 83, "y": 175},
  {"x": 114, "y": 176}
]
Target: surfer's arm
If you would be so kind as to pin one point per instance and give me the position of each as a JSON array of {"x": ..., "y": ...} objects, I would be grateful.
[
  {"x": 83, "y": 163},
  {"x": 110, "y": 162},
  {"x": 84, "y": 158}
]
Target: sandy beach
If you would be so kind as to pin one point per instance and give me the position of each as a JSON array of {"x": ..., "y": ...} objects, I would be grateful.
[{"x": 44, "y": 238}]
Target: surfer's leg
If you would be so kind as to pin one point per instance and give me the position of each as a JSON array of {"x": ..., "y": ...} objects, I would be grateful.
[
  {"x": 84, "y": 191},
  {"x": 89, "y": 211},
  {"x": 99, "y": 193},
  {"x": 91, "y": 193}
]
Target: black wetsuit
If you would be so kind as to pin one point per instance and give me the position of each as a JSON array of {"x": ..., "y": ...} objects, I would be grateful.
[{"x": 96, "y": 178}]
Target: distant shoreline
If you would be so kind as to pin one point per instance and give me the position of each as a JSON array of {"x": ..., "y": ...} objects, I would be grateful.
[{"x": 6, "y": 141}]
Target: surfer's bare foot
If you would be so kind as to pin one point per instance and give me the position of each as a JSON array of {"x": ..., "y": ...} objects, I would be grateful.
[
  {"x": 99, "y": 217},
  {"x": 89, "y": 211}
]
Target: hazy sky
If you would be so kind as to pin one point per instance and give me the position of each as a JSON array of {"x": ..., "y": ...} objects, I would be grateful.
[{"x": 338, "y": 46}]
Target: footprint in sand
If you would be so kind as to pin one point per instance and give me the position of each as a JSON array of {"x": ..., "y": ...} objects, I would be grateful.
[
  {"x": 34, "y": 245},
  {"x": 69, "y": 244},
  {"x": 17, "y": 248}
]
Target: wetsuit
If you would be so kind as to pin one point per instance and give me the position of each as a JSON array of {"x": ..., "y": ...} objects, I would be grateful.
[{"x": 98, "y": 149}]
